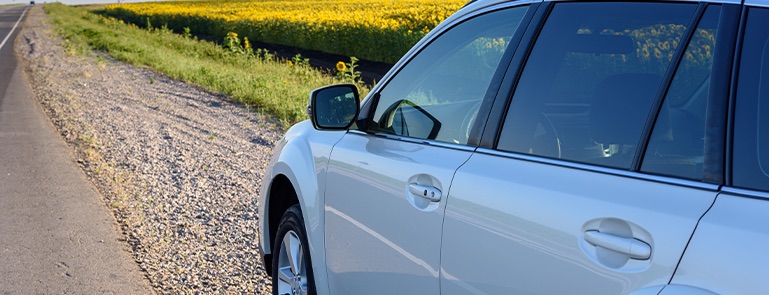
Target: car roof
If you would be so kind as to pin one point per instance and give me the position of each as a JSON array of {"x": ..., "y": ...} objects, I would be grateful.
[
  {"x": 763, "y": 3},
  {"x": 485, "y": 3},
  {"x": 474, "y": 5}
]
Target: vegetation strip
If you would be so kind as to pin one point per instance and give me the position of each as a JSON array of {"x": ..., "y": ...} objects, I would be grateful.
[
  {"x": 375, "y": 30},
  {"x": 254, "y": 78}
]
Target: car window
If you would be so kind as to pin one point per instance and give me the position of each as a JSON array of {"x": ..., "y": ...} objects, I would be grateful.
[
  {"x": 677, "y": 144},
  {"x": 590, "y": 81},
  {"x": 750, "y": 165},
  {"x": 437, "y": 94}
]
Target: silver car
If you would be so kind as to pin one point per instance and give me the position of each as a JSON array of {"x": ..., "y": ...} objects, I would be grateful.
[{"x": 538, "y": 147}]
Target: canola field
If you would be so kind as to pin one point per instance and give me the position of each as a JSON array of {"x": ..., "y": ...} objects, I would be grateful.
[{"x": 377, "y": 30}]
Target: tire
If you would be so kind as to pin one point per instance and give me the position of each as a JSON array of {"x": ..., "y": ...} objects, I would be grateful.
[{"x": 290, "y": 276}]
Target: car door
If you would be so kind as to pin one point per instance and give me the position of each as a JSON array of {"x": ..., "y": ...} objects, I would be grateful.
[
  {"x": 599, "y": 174},
  {"x": 731, "y": 239},
  {"x": 387, "y": 182}
]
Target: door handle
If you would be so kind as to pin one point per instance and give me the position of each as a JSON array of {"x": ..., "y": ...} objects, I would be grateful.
[
  {"x": 428, "y": 192},
  {"x": 634, "y": 248}
]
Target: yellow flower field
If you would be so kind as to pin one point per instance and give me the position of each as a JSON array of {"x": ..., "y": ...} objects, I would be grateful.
[{"x": 379, "y": 30}]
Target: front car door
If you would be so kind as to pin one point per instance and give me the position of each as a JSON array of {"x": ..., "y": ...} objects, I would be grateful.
[
  {"x": 387, "y": 182},
  {"x": 599, "y": 173}
]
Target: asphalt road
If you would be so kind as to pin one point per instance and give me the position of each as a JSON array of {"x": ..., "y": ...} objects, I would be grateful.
[{"x": 56, "y": 235}]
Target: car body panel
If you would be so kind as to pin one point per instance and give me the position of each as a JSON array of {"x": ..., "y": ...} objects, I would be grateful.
[
  {"x": 302, "y": 157},
  {"x": 726, "y": 254},
  {"x": 381, "y": 239},
  {"x": 684, "y": 290},
  {"x": 761, "y": 3},
  {"x": 653, "y": 290},
  {"x": 511, "y": 223}
]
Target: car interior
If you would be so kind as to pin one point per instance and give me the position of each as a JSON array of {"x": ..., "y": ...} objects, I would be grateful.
[{"x": 593, "y": 94}]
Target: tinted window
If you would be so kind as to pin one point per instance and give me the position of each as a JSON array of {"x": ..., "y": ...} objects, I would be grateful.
[
  {"x": 751, "y": 130},
  {"x": 437, "y": 94},
  {"x": 676, "y": 147},
  {"x": 587, "y": 88}
]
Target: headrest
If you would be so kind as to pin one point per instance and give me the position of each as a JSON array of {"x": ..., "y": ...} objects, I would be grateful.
[{"x": 620, "y": 107}]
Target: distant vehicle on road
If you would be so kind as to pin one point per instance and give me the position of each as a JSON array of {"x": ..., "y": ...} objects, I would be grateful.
[{"x": 538, "y": 147}]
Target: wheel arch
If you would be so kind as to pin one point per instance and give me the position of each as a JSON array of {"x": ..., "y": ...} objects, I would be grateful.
[
  {"x": 296, "y": 175},
  {"x": 281, "y": 196}
]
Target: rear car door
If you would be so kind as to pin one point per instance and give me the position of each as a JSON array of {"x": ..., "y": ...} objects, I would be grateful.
[
  {"x": 731, "y": 240},
  {"x": 387, "y": 182},
  {"x": 599, "y": 172}
]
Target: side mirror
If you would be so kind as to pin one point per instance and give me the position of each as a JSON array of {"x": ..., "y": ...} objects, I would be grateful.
[{"x": 334, "y": 107}]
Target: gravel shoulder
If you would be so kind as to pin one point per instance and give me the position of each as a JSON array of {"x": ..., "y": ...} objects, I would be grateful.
[{"x": 180, "y": 167}]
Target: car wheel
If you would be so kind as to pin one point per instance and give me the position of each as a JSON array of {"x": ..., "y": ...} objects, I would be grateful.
[{"x": 292, "y": 266}]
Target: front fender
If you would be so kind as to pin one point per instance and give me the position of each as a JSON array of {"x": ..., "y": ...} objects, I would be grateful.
[{"x": 302, "y": 157}]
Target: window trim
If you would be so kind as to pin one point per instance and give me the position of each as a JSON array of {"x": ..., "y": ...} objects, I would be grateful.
[
  {"x": 719, "y": 93},
  {"x": 503, "y": 99},
  {"x": 694, "y": 1},
  {"x": 745, "y": 193},
  {"x": 757, "y": 3},
  {"x": 498, "y": 80},
  {"x": 729, "y": 157},
  {"x": 667, "y": 81},
  {"x": 671, "y": 180},
  {"x": 447, "y": 145},
  {"x": 720, "y": 97}
]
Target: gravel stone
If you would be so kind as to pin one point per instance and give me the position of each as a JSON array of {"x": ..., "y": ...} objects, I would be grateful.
[{"x": 179, "y": 166}]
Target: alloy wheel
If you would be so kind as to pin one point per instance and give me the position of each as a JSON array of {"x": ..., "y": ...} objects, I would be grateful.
[{"x": 292, "y": 269}]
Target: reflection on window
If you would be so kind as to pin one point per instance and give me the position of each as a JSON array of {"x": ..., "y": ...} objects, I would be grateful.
[
  {"x": 588, "y": 86},
  {"x": 437, "y": 94},
  {"x": 677, "y": 145},
  {"x": 750, "y": 168},
  {"x": 763, "y": 112}
]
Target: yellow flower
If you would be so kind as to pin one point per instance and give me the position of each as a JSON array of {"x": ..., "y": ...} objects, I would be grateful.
[
  {"x": 289, "y": 63},
  {"x": 340, "y": 66},
  {"x": 399, "y": 20}
]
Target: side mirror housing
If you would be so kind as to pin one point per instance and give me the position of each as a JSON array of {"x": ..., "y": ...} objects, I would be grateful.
[{"x": 334, "y": 107}]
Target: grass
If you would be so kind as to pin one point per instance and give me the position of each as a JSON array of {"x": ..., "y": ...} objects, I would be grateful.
[
  {"x": 255, "y": 79},
  {"x": 375, "y": 30}
]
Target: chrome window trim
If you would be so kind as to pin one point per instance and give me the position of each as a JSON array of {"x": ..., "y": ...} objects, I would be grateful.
[
  {"x": 748, "y": 193},
  {"x": 757, "y": 3},
  {"x": 453, "y": 146},
  {"x": 603, "y": 170},
  {"x": 472, "y": 10},
  {"x": 673, "y": 1}
]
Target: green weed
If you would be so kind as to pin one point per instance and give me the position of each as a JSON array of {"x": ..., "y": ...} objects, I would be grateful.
[{"x": 259, "y": 79}]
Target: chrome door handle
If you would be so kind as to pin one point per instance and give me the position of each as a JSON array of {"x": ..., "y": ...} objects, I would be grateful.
[
  {"x": 427, "y": 192},
  {"x": 634, "y": 248}
]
